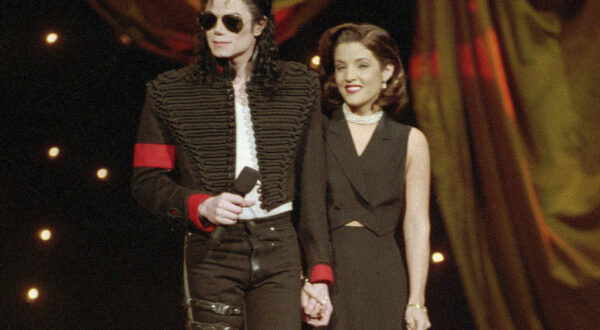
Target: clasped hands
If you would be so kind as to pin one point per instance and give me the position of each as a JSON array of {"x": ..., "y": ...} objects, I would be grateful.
[
  {"x": 316, "y": 305},
  {"x": 416, "y": 317}
]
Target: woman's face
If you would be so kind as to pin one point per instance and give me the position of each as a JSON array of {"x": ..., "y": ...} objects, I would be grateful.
[
  {"x": 359, "y": 75},
  {"x": 226, "y": 44}
]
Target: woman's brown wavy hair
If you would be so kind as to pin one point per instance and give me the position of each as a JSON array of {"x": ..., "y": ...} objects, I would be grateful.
[{"x": 392, "y": 99}]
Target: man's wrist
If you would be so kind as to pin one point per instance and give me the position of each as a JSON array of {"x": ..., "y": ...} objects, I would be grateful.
[
  {"x": 201, "y": 209},
  {"x": 201, "y": 215},
  {"x": 195, "y": 208}
]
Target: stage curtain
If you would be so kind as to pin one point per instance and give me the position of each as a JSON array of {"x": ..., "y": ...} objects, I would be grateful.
[{"x": 507, "y": 92}]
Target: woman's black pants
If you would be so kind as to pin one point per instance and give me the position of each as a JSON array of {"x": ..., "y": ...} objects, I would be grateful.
[{"x": 248, "y": 279}]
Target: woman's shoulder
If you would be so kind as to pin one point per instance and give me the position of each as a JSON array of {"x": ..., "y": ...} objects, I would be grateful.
[
  {"x": 414, "y": 137},
  {"x": 411, "y": 132},
  {"x": 397, "y": 126},
  {"x": 417, "y": 141}
]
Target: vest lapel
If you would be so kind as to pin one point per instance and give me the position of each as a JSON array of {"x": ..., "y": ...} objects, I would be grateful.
[
  {"x": 379, "y": 145},
  {"x": 339, "y": 142},
  {"x": 375, "y": 162}
]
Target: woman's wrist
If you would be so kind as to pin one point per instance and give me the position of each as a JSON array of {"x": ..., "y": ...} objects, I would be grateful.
[{"x": 417, "y": 306}]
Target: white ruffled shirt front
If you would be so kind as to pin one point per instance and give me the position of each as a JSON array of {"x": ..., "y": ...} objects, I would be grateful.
[{"x": 245, "y": 145}]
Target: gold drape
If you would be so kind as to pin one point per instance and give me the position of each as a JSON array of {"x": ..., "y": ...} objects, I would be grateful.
[{"x": 507, "y": 92}]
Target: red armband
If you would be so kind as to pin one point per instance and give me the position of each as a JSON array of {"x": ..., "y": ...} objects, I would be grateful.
[{"x": 154, "y": 155}]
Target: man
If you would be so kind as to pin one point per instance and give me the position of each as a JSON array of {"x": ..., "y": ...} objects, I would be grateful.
[{"x": 237, "y": 107}]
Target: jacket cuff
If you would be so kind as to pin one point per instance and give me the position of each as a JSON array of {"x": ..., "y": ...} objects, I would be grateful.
[
  {"x": 193, "y": 202},
  {"x": 322, "y": 273}
]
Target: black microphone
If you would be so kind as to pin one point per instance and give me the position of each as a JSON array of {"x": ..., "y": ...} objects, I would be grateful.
[
  {"x": 242, "y": 185},
  {"x": 245, "y": 181}
]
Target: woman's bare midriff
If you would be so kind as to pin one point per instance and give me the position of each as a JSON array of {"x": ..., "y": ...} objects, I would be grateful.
[{"x": 354, "y": 223}]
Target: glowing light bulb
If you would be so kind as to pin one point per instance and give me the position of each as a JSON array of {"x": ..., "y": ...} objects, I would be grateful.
[
  {"x": 45, "y": 234},
  {"x": 53, "y": 152},
  {"x": 51, "y": 38},
  {"x": 102, "y": 173},
  {"x": 33, "y": 294},
  {"x": 315, "y": 61},
  {"x": 437, "y": 257},
  {"x": 125, "y": 39}
]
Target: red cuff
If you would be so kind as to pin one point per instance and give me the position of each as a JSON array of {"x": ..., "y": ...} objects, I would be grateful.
[
  {"x": 193, "y": 202},
  {"x": 154, "y": 155},
  {"x": 322, "y": 273}
]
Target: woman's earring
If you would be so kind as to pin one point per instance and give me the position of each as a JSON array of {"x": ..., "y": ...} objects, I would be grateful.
[{"x": 384, "y": 85}]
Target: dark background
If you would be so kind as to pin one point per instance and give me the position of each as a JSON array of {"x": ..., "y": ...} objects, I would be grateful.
[{"x": 109, "y": 263}]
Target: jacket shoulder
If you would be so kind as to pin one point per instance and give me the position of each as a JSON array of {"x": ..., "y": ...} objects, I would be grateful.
[
  {"x": 172, "y": 77},
  {"x": 294, "y": 71}
]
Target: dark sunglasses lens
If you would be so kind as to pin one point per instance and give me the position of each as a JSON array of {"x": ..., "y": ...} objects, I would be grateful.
[
  {"x": 207, "y": 21},
  {"x": 233, "y": 23}
]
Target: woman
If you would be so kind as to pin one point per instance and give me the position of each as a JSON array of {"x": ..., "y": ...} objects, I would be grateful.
[
  {"x": 201, "y": 128},
  {"x": 376, "y": 169}
]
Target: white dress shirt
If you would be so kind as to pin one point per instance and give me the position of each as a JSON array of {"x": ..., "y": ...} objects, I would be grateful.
[{"x": 245, "y": 148}]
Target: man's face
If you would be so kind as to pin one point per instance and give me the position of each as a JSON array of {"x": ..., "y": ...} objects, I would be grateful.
[{"x": 223, "y": 43}]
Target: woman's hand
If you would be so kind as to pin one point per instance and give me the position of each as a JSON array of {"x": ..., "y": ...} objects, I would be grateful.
[
  {"x": 416, "y": 318},
  {"x": 316, "y": 305},
  {"x": 224, "y": 208}
]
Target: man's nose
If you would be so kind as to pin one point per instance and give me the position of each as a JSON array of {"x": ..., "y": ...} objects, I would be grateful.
[{"x": 219, "y": 27}]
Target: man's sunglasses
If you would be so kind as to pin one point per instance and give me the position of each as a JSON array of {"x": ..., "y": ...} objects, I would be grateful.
[{"x": 233, "y": 23}]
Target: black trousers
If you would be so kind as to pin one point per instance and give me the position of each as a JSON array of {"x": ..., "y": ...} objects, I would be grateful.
[{"x": 248, "y": 280}]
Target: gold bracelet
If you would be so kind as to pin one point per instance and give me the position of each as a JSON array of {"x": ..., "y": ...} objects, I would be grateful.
[{"x": 417, "y": 306}]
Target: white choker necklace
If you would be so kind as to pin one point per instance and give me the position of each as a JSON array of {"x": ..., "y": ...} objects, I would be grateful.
[{"x": 363, "y": 120}]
